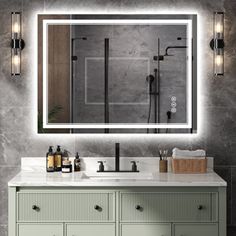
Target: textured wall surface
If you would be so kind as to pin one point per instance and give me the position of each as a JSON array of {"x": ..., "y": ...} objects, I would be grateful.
[
  {"x": 18, "y": 96},
  {"x": 131, "y": 52}
]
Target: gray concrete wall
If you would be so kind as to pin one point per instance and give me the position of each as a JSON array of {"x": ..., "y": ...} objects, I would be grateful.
[{"x": 18, "y": 96}]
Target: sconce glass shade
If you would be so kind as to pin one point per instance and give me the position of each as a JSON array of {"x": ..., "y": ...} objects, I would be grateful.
[
  {"x": 217, "y": 43},
  {"x": 17, "y": 44}
]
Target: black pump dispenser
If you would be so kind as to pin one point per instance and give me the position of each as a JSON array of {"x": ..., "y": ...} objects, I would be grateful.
[
  {"x": 50, "y": 149},
  {"x": 77, "y": 155},
  {"x": 58, "y": 148},
  {"x": 77, "y": 164}
]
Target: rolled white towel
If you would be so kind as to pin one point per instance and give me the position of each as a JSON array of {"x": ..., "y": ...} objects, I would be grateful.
[{"x": 188, "y": 154}]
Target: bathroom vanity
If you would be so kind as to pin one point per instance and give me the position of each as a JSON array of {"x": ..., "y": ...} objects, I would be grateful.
[{"x": 75, "y": 204}]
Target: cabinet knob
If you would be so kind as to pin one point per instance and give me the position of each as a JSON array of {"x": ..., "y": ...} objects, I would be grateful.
[
  {"x": 199, "y": 207},
  {"x": 138, "y": 207},
  {"x": 98, "y": 208},
  {"x": 35, "y": 208}
]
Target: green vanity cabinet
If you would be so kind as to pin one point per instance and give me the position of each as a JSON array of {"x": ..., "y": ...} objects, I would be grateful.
[
  {"x": 126, "y": 211},
  {"x": 40, "y": 229}
]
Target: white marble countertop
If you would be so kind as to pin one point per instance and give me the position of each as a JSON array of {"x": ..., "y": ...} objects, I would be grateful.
[
  {"x": 43, "y": 179},
  {"x": 33, "y": 174}
]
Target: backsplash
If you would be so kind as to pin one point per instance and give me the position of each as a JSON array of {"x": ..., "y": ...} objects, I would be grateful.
[
  {"x": 18, "y": 95},
  {"x": 90, "y": 164}
]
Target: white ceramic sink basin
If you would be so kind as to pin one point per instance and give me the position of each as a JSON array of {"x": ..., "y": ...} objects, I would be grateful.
[{"x": 117, "y": 175}]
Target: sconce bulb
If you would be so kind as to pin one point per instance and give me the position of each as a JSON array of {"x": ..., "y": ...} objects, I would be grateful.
[
  {"x": 16, "y": 60},
  {"x": 219, "y": 28},
  {"x": 16, "y": 28},
  {"x": 219, "y": 60}
]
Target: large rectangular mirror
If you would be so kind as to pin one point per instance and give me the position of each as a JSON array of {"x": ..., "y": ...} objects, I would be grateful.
[{"x": 117, "y": 73}]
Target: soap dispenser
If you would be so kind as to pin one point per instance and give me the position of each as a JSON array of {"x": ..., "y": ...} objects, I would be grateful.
[
  {"x": 77, "y": 164},
  {"x": 58, "y": 159},
  {"x": 50, "y": 160}
]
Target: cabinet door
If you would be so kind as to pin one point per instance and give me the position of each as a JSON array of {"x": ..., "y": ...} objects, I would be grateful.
[
  {"x": 196, "y": 229},
  {"x": 40, "y": 229},
  {"x": 146, "y": 229},
  {"x": 90, "y": 229}
]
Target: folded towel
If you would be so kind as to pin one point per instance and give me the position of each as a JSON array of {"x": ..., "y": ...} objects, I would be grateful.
[{"x": 187, "y": 154}]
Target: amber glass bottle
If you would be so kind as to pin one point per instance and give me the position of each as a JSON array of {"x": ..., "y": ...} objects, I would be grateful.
[
  {"x": 50, "y": 160},
  {"x": 58, "y": 159}
]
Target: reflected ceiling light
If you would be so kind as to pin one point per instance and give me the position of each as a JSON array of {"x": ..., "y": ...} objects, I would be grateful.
[
  {"x": 17, "y": 43},
  {"x": 217, "y": 43}
]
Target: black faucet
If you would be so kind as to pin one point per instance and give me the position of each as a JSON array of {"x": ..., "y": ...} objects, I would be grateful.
[
  {"x": 117, "y": 163},
  {"x": 117, "y": 156}
]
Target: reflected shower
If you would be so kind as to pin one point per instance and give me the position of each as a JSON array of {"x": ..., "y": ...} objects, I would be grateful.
[{"x": 154, "y": 82}]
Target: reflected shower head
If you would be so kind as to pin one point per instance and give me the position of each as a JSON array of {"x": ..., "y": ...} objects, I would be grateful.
[{"x": 170, "y": 47}]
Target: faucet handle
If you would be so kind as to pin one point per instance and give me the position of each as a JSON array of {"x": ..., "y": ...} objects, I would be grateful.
[
  {"x": 134, "y": 166},
  {"x": 101, "y": 166}
]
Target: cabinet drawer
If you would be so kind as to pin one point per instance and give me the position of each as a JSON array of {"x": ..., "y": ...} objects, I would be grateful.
[
  {"x": 90, "y": 229},
  {"x": 168, "y": 207},
  {"x": 40, "y": 229},
  {"x": 64, "y": 206},
  {"x": 195, "y": 229},
  {"x": 146, "y": 229}
]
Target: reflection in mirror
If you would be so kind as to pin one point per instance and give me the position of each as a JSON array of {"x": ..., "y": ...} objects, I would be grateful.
[{"x": 118, "y": 75}]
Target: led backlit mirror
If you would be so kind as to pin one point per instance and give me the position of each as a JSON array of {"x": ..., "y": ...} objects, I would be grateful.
[{"x": 117, "y": 73}]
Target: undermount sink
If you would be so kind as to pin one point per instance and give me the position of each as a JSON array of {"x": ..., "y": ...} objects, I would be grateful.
[{"x": 117, "y": 175}]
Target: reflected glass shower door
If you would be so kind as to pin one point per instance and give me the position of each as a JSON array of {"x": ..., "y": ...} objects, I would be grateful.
[{"x": 88, "y": 74}]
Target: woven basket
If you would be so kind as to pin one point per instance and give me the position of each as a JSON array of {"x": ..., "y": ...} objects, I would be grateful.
[{"x": 189, "y": 166}]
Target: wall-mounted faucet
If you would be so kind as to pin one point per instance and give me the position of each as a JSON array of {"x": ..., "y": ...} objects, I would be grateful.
[{"x": 117, "y": 163}]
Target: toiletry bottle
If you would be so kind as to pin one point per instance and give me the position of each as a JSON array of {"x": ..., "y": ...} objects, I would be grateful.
[
  {"x": 58, "y": 159},
  {"x": 65, "y": 154},
  {"x": 50, "y": 160},
  {"x": 66, "y": 165},
  {"x": 77, "y": 162}
]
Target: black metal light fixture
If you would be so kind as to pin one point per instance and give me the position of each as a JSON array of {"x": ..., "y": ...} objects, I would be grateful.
[
  {"x": 217, "y": 43},
  {"x": 17, "y": 43}
]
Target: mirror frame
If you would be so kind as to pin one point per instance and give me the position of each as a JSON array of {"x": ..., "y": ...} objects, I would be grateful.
[{"x": 46, "y": 19}]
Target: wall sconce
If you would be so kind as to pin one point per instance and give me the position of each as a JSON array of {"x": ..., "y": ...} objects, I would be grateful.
[
  {"x": 17, "y": 44},
  {"x": 217, "y": 43}
]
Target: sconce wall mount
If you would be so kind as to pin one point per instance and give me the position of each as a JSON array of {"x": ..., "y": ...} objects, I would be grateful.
[
  {"x": 217, "y": 44},
  {"x": 17, "y": 43}
]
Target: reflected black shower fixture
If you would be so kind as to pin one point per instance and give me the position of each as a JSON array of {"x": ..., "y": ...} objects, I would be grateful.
[
  {"x": 171, "y": 47},
  {"x": 74, "y": 58},
  {"x": 180, "y": 38},
  {"x": 168, "y": 116},
  {"x": 150, "y": 79},
  {"x": 154, "y": 90}
]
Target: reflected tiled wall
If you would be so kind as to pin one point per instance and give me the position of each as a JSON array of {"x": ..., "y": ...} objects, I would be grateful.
[{"x": 18, "y": 96}]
